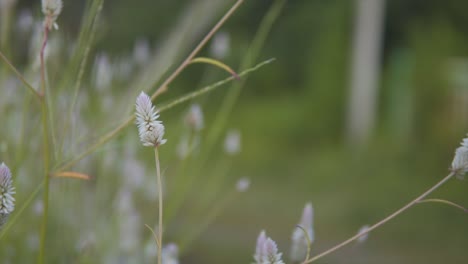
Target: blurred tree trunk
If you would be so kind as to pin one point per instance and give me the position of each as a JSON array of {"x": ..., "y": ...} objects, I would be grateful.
[{"x": 365, "y": 69}]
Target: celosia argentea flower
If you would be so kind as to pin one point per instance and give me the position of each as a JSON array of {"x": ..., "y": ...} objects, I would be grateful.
[
  {"x": 7, "y": 201},
  {"x": 150, "y": 129},
  {"x": 266, "y": 251},
  {"x": 460, "y": 161},
  {"x": 51, "y": 9}
]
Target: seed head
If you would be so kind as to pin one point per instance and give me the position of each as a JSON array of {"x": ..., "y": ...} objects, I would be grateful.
[
  {"x": 150, "y": 129},
  {"x": 460, "y": 161},
  {"x": 51, "y": 9},
  {"x": 267, "y": 251},
  {"x": 7, "y": 201}
]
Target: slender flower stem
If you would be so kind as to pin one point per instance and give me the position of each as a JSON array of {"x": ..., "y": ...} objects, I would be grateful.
[
  {"x": 45, "y": 154},
  {"x": 383, "y": 221},
  {"x": 163, "y": 87},
  {"x": 44, "y": 44},
  {"x": 160, "y": 222}
]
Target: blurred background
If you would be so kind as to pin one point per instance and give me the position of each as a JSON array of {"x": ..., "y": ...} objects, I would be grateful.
[{"x": 360, "y": 112}]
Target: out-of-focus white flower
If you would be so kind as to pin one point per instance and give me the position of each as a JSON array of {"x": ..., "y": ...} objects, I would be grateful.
[
  {"x": 266, "y": 251},
  {"x": 170, "y": 254},
  {"x": 150, "y": 129},
  {"x": 243, "y": 184},
  {"x": 460, "y": 161},
  {"x": 299, "y": 244},
  {"x": 51, "y": 9},
  {"x": 7, "y": 201},
  {"x": 103, "y": 70},
  {"x": 194, "y": 118},
  {"x": 364, "y": 237},
  {"x": 25, "y": 21},
  {"x": 232, "y": 143},
  {"x": 141, "y": 52},
  {"x": 38, "y": 207},
  {"x": 129, "y": 221},
  {"x": 220, "y": 46},
  {"x": 183, "y": 148}
]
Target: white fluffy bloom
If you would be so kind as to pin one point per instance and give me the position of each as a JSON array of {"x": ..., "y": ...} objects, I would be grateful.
[
  {"x": 220, "y": 45},
  {"x": 460, "y": 161},
  {"x": 364, "y": 237},
  {"x": 232, "y": 143},
  {"x": 243, "y": 184},
  {"x": 299, "y": 243},
  {"x": 141, "y": 52},
  {"x": 51, "y": 9},
  {"x": 170, "y": 254},
  {"x": 266, "y": 251},
  {"x": 104, "y": 71},
  {"x": 7, "y": 201},
  {"x": 194, "y": 118},
  {"x": 150, "y": 129}
]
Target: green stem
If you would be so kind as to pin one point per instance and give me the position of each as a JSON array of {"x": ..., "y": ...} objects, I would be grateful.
[
  {"x": 160, "y": 222},
  {"x": 20, "y": 76},
  {"x": 45, "y": 154},
  {"x": 383, "y": 221},
  {"x": 45, "y": 198}
]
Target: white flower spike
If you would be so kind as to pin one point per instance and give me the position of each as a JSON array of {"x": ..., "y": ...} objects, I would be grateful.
[
  {"x": 299, "y": 243},
  {"x": 150, "y": 129},
  {"x": 170, "y": 254},
  {"x": 7, "y": 201},
  {"x": 460, "y": 161},
  {"x": 266, "y": 251}
]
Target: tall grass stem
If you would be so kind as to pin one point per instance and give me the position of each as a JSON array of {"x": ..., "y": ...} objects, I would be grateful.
[
  {"x": 45, "y": 150},
  {"x": 160, "y": 198},
  {"x": 383, "y": 221}
]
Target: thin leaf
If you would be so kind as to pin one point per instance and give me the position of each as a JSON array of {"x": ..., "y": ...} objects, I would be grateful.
[
  {"x": 216, "y": 63},
  {"x": 72, "y": 174}
]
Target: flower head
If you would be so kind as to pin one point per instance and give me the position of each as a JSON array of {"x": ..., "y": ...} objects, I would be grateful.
[
  {"x": 51, "y": 9},
  {"x": 220, "y": 46},
  {"x": 300, "y": 243},
  {"x": 7, "y": 201},
  {"x": 150, "y": 129},
  {"x": 267, "y": 251},
  {"x": 170, "y": 254},
  {"x": 232, "y": 143},
  {"x": 460, "y": 161},
  {"x": 243, "y": 184}
]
